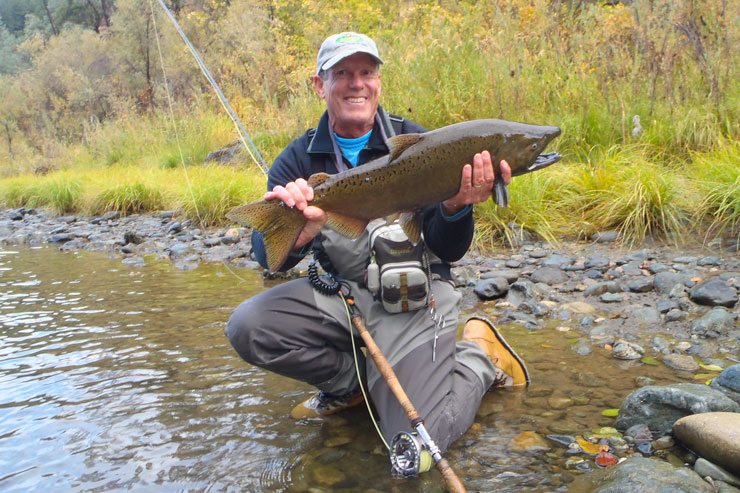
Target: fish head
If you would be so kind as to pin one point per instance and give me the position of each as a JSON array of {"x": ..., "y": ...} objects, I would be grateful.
[{"x": 523, "y": 148}]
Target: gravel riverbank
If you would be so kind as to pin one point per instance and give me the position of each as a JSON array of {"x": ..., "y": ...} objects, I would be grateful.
[{"x": 652, "y": 305}]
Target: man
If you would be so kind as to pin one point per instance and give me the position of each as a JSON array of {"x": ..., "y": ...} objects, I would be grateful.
[{"x": 295, "y": 331}]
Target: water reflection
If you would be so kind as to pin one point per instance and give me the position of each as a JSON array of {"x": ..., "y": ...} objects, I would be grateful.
[{"x": 119, "y": 377}]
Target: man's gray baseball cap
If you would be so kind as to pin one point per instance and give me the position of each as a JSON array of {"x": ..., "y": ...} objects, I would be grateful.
[{"x": 339, "y": 46}]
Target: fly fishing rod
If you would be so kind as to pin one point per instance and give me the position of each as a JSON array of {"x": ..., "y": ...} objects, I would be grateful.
[{"x": 453, "y": 482}]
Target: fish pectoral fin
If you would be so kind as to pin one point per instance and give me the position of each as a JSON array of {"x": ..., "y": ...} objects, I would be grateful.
[
  {"x": 400, "y": 143},
  {"x": 411, "y": 224},
  {"x": 348, "y": 226},
  {"x": 392, "y": 218},
  {"x": 317, "y": 179},
  {"x": 500, "y": 192}
]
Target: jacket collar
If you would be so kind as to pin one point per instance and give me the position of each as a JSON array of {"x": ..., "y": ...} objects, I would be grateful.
[{"x": 321, "y": 141}]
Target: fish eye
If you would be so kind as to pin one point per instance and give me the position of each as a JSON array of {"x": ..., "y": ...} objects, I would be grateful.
[{"x": 533, "y": 146}]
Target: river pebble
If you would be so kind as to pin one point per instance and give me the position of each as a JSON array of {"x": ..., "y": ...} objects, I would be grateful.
[{"x": 681, "y": 362}]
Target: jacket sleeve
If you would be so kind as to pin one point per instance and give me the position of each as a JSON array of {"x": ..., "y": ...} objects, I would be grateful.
[{"x": 290, "y": 165}]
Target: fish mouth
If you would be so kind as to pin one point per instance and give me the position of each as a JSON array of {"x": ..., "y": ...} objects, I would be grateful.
[{"x": 546, "y": 159}]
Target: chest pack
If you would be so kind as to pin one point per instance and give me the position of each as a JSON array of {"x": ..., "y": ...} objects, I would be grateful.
[{"x": 398, "y": 273}]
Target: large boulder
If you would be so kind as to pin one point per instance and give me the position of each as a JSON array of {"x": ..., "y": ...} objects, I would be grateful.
[
  {"x": 714, "y": 292},
  {"x": 642, "y": 474},
  {"x": 714, "y": 436},
  {"x": 728, "y": 382},
  {"x": 660, "y": 406}
]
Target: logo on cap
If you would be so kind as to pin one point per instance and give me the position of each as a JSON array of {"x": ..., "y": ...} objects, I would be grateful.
[{"x": 349, "y": 38}]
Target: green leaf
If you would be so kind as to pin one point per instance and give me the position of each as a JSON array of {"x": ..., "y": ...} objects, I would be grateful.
[
  {"x": 649, "y": 360},
  {"x": 612, "y": 413}
]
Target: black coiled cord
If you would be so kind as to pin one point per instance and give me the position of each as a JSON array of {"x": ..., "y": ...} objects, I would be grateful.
[{"x": 329, "y": 288}]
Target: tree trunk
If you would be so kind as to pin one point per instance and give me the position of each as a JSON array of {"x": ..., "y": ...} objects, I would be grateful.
[
  {"x": 105, "y": 7},
  {"x": 10, "y": 149},
  {"x": 95, "y": 15},
  {"x": 48, "y": 14}
]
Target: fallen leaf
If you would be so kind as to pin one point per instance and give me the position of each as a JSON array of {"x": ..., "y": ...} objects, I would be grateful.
[
  {"x": 711, "y": 367},
  {"x": 606, "y": 459},
  {"x": 608, "y": 347},
  {"x": 547, "y": 345},
  {"x": 562, "y": 329},
  {"x": 610, "y": 412},
  {"x": 649, "y": 360},
  {"x": 589, "y": 447}
]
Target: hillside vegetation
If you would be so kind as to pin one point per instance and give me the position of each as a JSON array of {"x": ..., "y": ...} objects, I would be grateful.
[{"x": 647, "y": 93}]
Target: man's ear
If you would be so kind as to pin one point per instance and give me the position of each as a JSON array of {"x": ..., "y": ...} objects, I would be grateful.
[{"x": 318, "y": 86}]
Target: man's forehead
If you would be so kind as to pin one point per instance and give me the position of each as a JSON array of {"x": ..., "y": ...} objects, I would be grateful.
[{"x": 358, "y": 60}]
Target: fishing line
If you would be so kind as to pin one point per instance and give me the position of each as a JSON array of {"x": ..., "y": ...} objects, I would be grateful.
[
  {"x": 357, "y": 368},
  {"x": 177, "y": 135},
  {"x": 243, "y": 135}
]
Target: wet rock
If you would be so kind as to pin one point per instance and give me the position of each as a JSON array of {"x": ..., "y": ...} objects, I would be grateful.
[
  {"x": 680, "y": 362},
  {"x": 714, "y": 436},
  {"x": 582, "y": 347},
  {"x": 557, "y": 261},
  {"x": 60, "y": 238},
  {"x": 522, "y": 291},
  {"x": 611, "y": 298},
  {"x": 639, "y": 433},
  {"x": 674, "y": 315},
  {"x": 538, "y": 253},
  {"x": 714, "y": 292},
  {"x": 716, "y": 320},
  {"x": 489, "y": 289},
  {"x": 704, "y": 468},
  {"x": 645, "y": 314},
  {"x": 659, "y": 407},
  {"x": 641, "y": 285},
  {"x": 559, "y": 402},
  {"x": 605, "y": 237},
  {"x": 529, "y": 442},
  {"x": 728, "y": 382},
  {"x": 643, "y": 381},
  {"x": 563, "y": 440},
  {"x": 464, "y": 275},
  {"x": 665, "y": 281},
  {"x": 579, "y": 307},
  {"x": 212, "y": 241},
  {"x": 627, "y": 350},
  {"x": 602, "y": 287},
  {"x": 327, "y": 475},
  {"x": 598, "y": 262},
  {"x": 642, "y": 474},
  {"x": 549, "y": 275},
  {"x": 510, "y": 275}
]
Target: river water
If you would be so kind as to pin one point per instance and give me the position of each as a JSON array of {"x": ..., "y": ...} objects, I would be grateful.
[{"x": 119, "y": 377}]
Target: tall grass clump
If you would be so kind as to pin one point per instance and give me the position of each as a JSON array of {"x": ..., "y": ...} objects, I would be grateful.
[
  {"x": 212, "y": 191},
  {"x": 625, "y": 191},
  {"x": 717, "y": 178},
  {"x": 127, "y": 198}
]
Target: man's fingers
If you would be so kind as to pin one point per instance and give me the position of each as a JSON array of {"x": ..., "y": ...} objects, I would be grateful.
[{"x": 505, "y": 171}]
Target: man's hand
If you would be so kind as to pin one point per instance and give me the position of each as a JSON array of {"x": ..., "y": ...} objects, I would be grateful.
[
  {"x": 298, "y": 194},
  {"x": 476, "y": 183}
]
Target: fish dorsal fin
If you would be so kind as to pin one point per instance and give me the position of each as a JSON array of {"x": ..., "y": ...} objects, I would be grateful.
[
  {"x": 317, "y": 179},
  {"x": 411, "y": 223},
  {"x": 400, "y": 143},
  {"x": 348, "y": 226}
]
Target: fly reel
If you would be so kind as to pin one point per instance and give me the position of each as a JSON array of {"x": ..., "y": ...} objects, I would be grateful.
[{"x": 409, "y": 455}]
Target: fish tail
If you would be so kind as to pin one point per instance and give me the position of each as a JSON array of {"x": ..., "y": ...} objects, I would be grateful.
[
  {"x": 280, "y": 226},
  {"x": 500, "y": 192}
]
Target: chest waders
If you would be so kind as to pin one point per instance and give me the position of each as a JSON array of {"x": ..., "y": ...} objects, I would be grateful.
[{"x": 410, "y": 453}]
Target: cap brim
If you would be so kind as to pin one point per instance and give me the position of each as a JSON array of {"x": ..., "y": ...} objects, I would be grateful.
[{"x": 341, "y": 56}]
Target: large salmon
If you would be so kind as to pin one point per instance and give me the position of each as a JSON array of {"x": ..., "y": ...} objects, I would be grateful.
[{"x": 420, "y": 170}]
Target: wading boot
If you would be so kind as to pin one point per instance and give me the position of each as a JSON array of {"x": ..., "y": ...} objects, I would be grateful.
[
  {"x": 323, "y": 404},
  {"x": 510, "y": 369}
]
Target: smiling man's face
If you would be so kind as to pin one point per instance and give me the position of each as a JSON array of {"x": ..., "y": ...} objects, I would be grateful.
[{"x": 351, "y": 91}]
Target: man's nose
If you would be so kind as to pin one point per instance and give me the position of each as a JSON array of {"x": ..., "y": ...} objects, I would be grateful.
[{"x": 356, "y": 80}]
